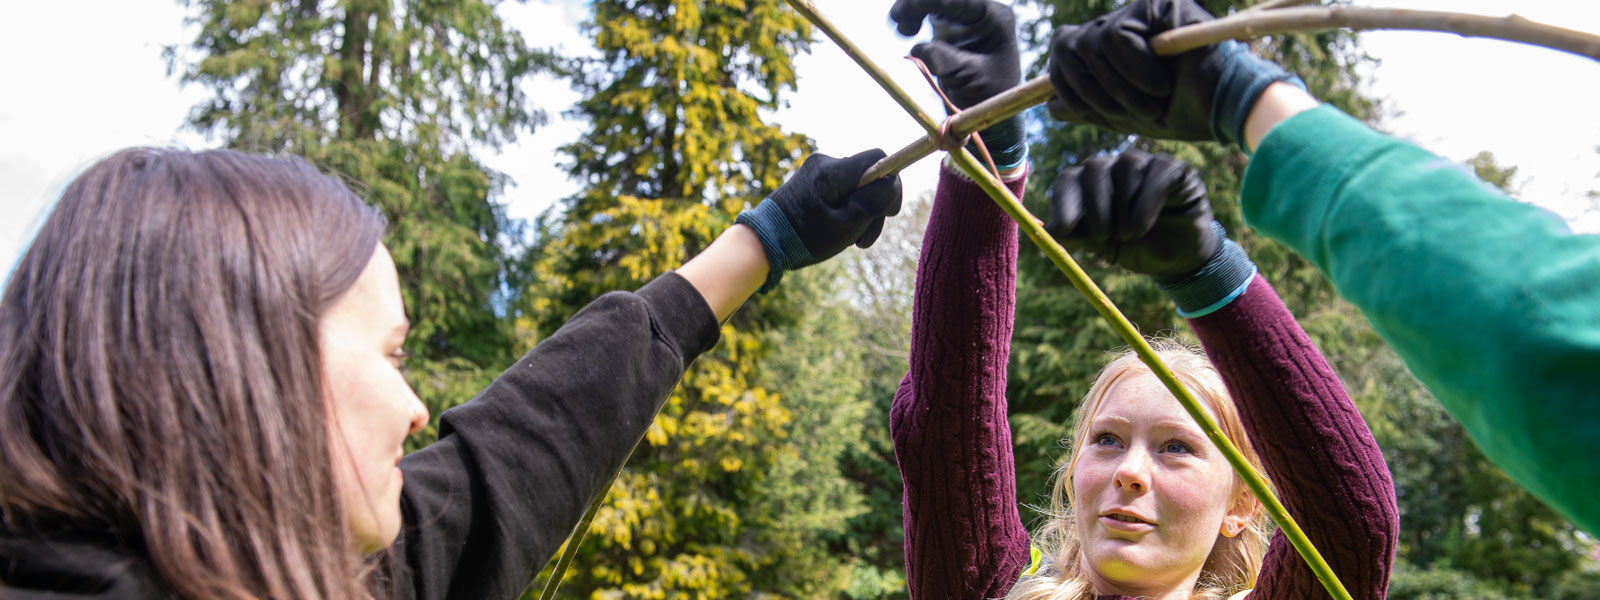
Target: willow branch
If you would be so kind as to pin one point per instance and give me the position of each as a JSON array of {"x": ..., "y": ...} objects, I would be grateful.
[
  {"x": 978, "y": 117},
  {"x": 1032, "y": 227},
  {"x": 569, "y": 550},
  {"x": 1272, "y": 4},
  {"x": 1253, "y": 23},
  {"x": 1324, "y": 18}
]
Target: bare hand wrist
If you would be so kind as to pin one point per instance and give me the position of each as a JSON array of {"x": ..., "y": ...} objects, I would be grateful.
[{"x": 1279, "y": 102}]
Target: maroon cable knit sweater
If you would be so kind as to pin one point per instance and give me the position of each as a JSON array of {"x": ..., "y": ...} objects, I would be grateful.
[{"x": 964, "y": 537}]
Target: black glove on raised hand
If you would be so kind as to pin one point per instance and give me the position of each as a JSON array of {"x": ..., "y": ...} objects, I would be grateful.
[
  {"x": 819, "y": 212},
  {"x": 1104, "y": 73},
  {"x": 974, "y": 55},
  {"x": 1149, "y": 214}
]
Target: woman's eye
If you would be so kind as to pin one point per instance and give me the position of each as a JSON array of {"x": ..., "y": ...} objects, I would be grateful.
[
  {"x": 1105, "y": 439},
  {"x": 1176, "y": 448}
]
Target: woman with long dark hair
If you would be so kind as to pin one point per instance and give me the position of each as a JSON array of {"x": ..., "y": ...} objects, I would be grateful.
[{"x": 200, "y": 394}]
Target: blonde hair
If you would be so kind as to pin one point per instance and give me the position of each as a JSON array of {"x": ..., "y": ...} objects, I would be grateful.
[{"x": 1234, "y": 562}]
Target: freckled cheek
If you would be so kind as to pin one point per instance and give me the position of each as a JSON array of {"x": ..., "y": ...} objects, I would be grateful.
[
  {"x": 1199, "y": 500},
  {"x": 1188, "y": 497},
  {"x": 1090, "y": 478}
]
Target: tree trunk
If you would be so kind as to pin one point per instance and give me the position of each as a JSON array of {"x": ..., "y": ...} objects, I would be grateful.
[{"x": 350, "y": 92}]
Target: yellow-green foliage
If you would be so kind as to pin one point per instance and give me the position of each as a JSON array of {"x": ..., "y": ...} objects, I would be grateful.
[{"x": 726, "y": 495}]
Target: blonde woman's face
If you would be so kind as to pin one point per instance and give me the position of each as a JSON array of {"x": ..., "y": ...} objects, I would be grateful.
[{"x": 1151, "y": 493}]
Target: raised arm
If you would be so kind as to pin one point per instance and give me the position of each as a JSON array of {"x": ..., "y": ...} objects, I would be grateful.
[
  {"x": 1316, "y": 447},
  {"x": 1150, "y": 213},
  {"x": 514, "y": 468},
  {"x": 964, "y": 537},
  {"x": 1493, "y": 304}
]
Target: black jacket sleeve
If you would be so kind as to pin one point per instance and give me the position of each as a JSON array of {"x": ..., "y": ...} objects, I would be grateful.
[{"x": 489, "y": 503}]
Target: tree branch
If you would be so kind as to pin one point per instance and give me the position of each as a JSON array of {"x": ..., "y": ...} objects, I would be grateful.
[
  {"x": 1253, "y": 23},
  {"x": 1272, "y": 4},
  {"x": 1314, "y": 19}
]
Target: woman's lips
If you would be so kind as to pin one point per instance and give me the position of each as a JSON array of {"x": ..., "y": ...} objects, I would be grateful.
[{"x": 1125, "y": 522}]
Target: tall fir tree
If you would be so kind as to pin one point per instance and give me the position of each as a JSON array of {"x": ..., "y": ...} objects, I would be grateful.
[
  {"x": 735, "y": 482},
  {"x": 390, "y": 95}
]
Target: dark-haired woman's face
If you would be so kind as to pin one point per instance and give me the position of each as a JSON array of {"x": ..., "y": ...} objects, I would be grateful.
[{"x": 372, "y": 408}]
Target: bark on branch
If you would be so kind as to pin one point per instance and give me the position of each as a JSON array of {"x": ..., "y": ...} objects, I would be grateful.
[
  {"x": 1255, "y": 23},
  {"x": 1314, "y": 19}
]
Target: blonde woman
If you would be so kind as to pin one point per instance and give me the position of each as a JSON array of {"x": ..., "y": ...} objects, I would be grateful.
[{"x": 1145, "y": 505}]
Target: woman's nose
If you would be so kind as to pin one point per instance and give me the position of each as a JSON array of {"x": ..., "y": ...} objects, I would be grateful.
[
  {"x": 419, "y": 415},
  {"x": 1133, "y": 474}
]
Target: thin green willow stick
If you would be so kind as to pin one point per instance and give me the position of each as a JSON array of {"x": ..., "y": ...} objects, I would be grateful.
[
  {"x": 1031, "y": 226},
  {"x": 570, "y": 550}
]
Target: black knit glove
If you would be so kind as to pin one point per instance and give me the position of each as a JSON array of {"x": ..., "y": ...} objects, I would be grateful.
[
  {"x": 1149, "y": 214},
  {"x": 819, "y": 212},
  {"x": 974, "y": 55},
  {"x": 1104, "y": 73}
]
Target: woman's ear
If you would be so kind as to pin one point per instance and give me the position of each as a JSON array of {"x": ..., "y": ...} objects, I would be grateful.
[{"x": 1245, "y": 509}]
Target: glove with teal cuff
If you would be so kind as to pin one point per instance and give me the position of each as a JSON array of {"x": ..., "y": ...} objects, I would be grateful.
[
  {"x": 1244, "y": 76},
  {"x": 1222, "y": 279},
  {"x": 974, "y": 55},
  {"x": 819, "y": 212},
  {"x": 1148, "y": 213},
  {"x": 1105, "y": 73}
]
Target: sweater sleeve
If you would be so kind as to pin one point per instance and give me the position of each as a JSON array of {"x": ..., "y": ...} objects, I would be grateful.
[
  {"x": 514, "y": 469},
  {"x": 1493, "y": 304},
  {"x": 964, "y": 537},
  {"x": 1317, "y": 449}
]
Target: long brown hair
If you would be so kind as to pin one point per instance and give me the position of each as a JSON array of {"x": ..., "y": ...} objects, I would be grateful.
[
  {"x": 161, "y": 382},
  {"x": 1234, "y": 562}
]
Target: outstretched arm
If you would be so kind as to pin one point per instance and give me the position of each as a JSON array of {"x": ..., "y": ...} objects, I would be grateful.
[
  {"x": 729, "y": 271},
  {"x": 514, "y": 468},
  {"x": 1493, "y": 304}
]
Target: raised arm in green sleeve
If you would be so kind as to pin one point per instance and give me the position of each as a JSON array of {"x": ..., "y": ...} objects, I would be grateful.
[{"x": 1493, "y": 304}]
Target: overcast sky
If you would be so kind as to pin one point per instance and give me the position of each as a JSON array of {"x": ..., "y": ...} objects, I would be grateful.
[{"x": 83, "y": 78}]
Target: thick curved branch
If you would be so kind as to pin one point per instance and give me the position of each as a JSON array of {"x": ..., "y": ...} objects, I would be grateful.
[
  {"x": 1253, "y": 23},
  {"x": 1323, "y": 18},
  {"x": 1271, "y": 4}
]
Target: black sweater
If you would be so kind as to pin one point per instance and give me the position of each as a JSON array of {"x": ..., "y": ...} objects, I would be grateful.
[{"x": 489, "y": 503}]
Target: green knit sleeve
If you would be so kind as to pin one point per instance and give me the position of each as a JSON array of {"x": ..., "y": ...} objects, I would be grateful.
[{"x": 1493, "y": 304}]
